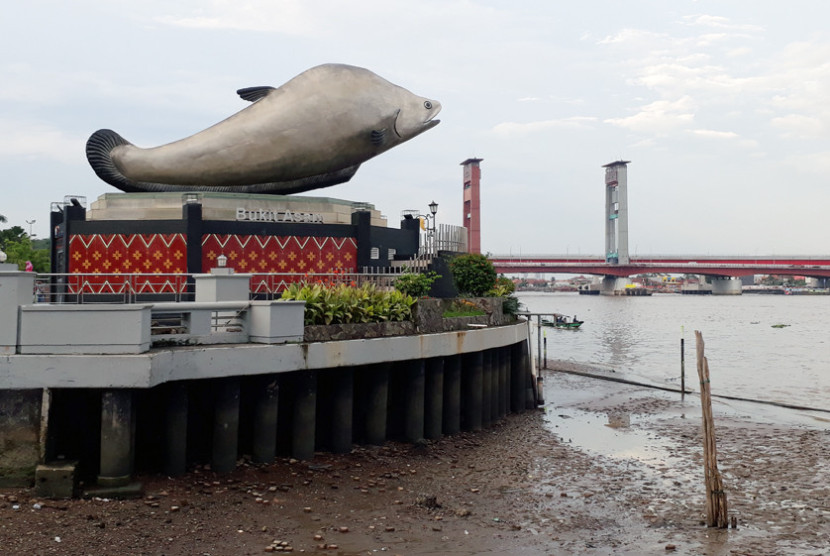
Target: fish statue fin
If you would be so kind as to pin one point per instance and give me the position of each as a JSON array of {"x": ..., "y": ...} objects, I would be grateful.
[
  {"x": 253, "y": 94},
  {"x": 379, "y": 136}
]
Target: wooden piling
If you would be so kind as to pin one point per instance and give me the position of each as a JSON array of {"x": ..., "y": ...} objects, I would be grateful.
[{"x": 716, "y": 506}]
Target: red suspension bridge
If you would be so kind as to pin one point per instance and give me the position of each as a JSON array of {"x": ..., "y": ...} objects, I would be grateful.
[{"x": 726, "y": 266}]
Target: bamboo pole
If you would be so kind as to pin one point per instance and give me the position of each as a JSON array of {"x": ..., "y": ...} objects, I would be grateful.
[{"x": 716, "y": 505}]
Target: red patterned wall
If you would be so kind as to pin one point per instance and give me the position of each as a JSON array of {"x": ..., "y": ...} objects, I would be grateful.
[
  {"x": 125, "y": 254},
  {"x": 164, "y": 254},
  {"x": 280, "y": 254},
  {"x": 128, "y": 253}
]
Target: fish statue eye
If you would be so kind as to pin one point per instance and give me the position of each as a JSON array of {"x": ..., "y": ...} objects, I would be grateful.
[{"x": 427, "y": 105}]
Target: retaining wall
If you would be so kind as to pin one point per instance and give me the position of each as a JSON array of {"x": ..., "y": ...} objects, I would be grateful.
[{"x": 169, "y": 408}]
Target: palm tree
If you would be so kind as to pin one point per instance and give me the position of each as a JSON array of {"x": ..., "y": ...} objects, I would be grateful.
[{"x": 2, "y": 218}]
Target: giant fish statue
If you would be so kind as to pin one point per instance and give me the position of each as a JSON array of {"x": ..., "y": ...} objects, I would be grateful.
[{"x": 314, "y": 131}]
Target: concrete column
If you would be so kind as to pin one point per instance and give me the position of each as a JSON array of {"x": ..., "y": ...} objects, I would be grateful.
[
  {"x": 528, "y": 380},
  {"x": 117, "y": 438},
  {"x": 175, "y": 428},
  {"x": 495, "y": 386},
  {"x": 614, "y": 285},
  {"x": 504, "y": 381},
  {"x": 518, "y": 368},
  {"x": 266, "y": 410},
  {"x": 15, "y": 290},
  {"x": 725, "y": 285},
  {"x": 225, "y": 425},
  {"x": 487, "y": 389},
  {"x": 434, "y": 398},
  {"x": 342, "y": 411},
  {"x": 305, "y": 415},
  {"x": 452, "y": 395},
  {"x": 414, "y": 393},
  {"x": 472, "y": 390},
  {"x": 376, "y": 400}
]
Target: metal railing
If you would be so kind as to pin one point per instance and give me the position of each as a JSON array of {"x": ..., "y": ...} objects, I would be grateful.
[
  {"x": 445, "y": 237},
  {"x": 112, "y": 288},
  {"x": 77, "y": 288}
]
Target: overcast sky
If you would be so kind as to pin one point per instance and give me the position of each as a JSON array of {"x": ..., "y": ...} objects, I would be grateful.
[{"x": 722, "y": 107}]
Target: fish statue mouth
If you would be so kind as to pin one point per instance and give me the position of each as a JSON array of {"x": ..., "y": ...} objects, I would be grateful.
[{"x": 429, "y": 123}]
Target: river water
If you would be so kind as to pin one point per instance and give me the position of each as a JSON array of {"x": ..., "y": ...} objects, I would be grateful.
[{"x": 750, "y": 355}]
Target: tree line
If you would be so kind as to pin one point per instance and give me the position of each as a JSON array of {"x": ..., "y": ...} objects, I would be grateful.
[{"x": 20, "y": 248}]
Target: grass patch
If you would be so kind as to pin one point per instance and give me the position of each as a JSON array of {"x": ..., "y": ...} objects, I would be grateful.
[
  {"x": 463, "y": 313},
  {"x": 463, "y": 308}
]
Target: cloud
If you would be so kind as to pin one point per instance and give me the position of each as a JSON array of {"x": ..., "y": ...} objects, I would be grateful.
[
  {"x": 659, "y": 117},
  {"x": 714, "y": 134},
  {"x": 31, "y": 140},
  {"x": 718, "y": 22},
  {"x": 800, "y": 126},
  {"x": 290, "y": 17},
  {"x": 724, "y": 136},
  {"x": 817, "y": 163},
  {"x": 630, "y": 36},
  {"x": 514, "y": 128}
]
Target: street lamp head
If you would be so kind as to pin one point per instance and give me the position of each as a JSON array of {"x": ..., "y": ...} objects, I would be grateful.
[
  {"x": 433, "y": 208},
  {"x": 221, "y": 261}
]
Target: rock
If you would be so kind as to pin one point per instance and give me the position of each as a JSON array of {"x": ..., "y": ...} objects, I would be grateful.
[{"x": 429, "y": 501}]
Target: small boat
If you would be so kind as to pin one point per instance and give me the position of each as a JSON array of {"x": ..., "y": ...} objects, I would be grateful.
[{"x": 562, "y": 321}]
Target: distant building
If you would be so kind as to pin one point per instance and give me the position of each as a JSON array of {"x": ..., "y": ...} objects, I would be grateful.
[
  {"x": 616, "y": 212},
  {"x": 161, "y": 235},
  {"x": 472, "y": 203}
]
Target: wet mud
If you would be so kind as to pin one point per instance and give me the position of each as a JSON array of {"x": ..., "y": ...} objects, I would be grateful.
[{"x": 602, "y": 468}]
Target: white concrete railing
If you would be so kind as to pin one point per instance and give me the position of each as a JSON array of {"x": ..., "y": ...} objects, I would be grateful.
[
  {"x": 135, "y": 328},
  {"x": 29, "y": 329}
]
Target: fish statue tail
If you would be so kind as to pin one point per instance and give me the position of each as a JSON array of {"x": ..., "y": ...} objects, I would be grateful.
[{"x": 99, "y": 154}]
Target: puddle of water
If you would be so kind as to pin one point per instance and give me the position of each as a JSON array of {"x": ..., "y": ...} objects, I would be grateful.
[{"x": 606, "y": 435}]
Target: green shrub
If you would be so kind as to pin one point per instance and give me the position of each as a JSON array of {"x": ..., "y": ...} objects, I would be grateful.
[
  {"x": 511, "y": 305},
  {"x": 416, "y": 284},
  {"x": 343, "y": 304},
  {"x": 505, "y": 288},
  {"x": 473, "y": 274}
]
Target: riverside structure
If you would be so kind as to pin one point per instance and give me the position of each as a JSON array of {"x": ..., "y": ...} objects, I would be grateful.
[{"x": 101, "y": 391}]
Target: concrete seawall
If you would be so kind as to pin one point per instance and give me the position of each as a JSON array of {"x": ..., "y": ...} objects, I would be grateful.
[{"x": 169, "y": 408}]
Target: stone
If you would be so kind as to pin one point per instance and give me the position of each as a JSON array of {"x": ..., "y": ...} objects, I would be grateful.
[{"x": 56, "y": 479}]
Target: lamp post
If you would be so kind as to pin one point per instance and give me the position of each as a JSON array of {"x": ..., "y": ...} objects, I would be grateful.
[
  {"x": 30, "y": 222},
  {"x": 433, "y": 209}
]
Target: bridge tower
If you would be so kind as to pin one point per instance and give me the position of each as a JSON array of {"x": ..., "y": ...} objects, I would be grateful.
[
  {"x": 616, "y": 212},
  {"x": 472, "y": 203}
]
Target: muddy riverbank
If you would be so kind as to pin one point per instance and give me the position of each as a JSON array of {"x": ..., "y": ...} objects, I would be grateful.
[{"x": 603, "y": 468}]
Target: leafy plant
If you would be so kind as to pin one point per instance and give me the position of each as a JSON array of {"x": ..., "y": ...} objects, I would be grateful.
[
  {"x": 511, "y": 305},
  {"x": 505, "y": 288},
  {"x": 473, "y": 274},
  {"x": 416, "y": 284},
  {"x": 345, "y": 303}
]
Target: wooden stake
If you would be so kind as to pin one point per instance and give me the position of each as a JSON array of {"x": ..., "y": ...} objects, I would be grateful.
[{"x": 716, "y": 506}]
